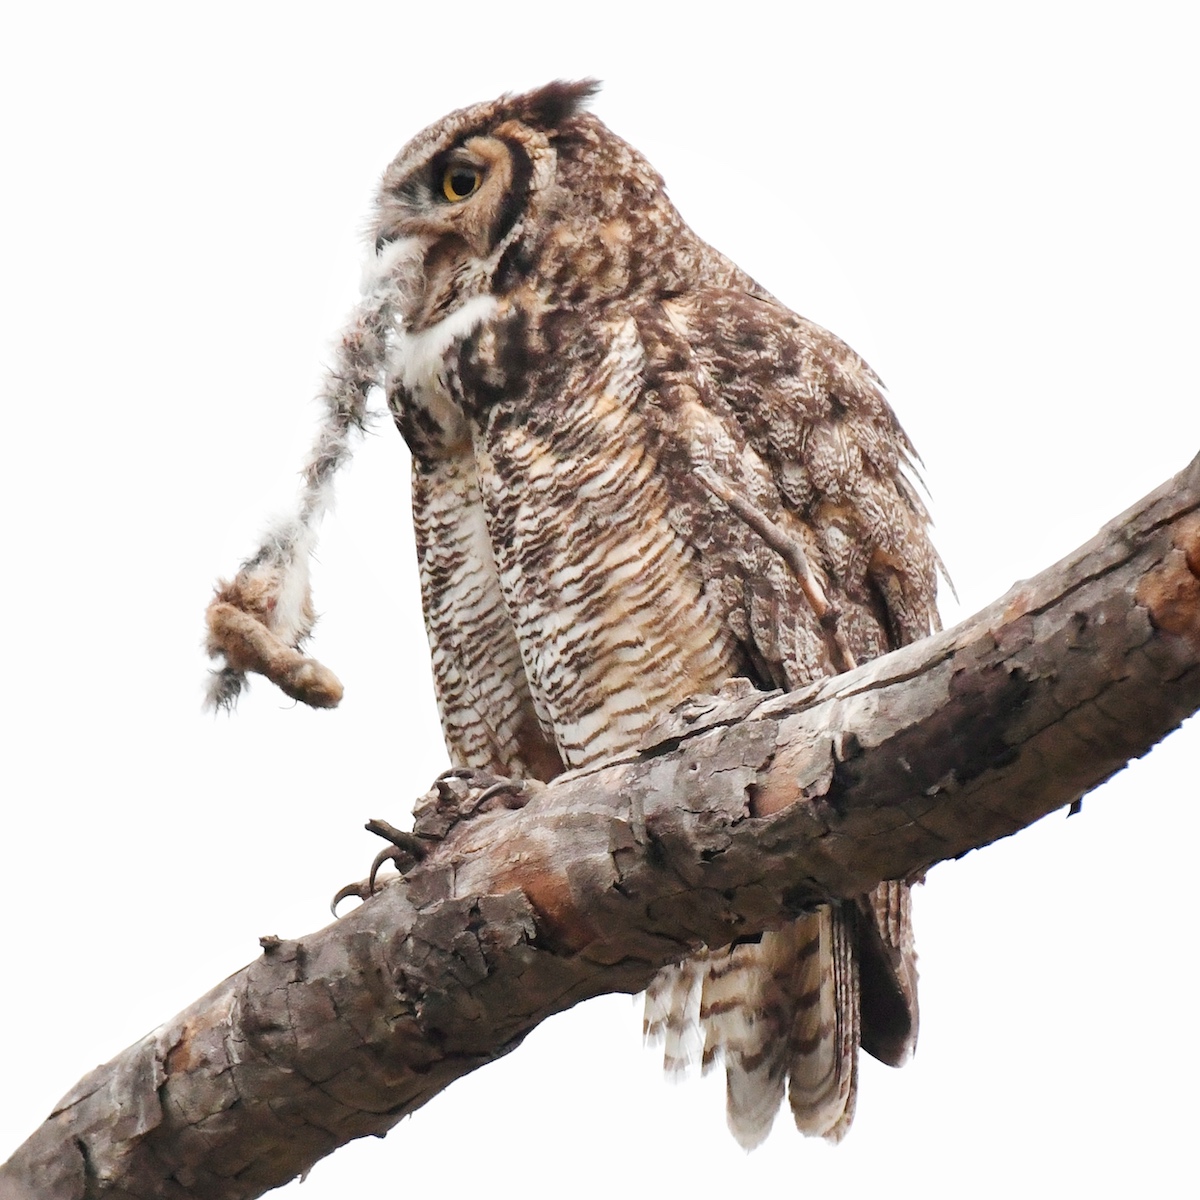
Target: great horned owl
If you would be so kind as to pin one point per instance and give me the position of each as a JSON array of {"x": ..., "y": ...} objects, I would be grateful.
[{"x": 636, "y": 476}]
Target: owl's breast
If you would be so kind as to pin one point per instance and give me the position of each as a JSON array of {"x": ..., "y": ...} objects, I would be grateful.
[{"x": 606, "y": 598}]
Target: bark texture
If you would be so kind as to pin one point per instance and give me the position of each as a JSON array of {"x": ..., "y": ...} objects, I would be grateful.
[{"x": 741, "y": 813}]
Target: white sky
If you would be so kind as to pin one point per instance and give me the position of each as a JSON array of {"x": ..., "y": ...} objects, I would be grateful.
[{"x": 996, "y": 206}]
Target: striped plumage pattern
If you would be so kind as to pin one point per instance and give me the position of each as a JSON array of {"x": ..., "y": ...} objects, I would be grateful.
[
  {"x": 614, "y": 625},
  {"x": 614, "y": 431},
  {"x": 488, "y": 714}
]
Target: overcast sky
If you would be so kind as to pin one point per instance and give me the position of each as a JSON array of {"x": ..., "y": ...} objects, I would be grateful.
[{"x": 995, "y": 206}]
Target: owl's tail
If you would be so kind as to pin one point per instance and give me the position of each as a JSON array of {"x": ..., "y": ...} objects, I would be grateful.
[{"x": 784, "y": 1015}]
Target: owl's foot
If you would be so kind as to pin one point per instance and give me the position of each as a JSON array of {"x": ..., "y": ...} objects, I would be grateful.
[
  {"x": 457, "y": 795},
  {"x": 406, "y": 850},
  {"x": 462, "y": 793}
]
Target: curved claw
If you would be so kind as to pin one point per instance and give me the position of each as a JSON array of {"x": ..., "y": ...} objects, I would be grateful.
[
  {"x": 406, "y": 850},
  {"x": 516, "y": 788},
  {"x": 397, "y": 854},
  {"x": 360, "y": 889},
  {"x": 457, "y": 773}
]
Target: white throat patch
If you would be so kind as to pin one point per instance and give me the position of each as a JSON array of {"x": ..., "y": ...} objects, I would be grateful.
[{"x": 415, "y": 359}]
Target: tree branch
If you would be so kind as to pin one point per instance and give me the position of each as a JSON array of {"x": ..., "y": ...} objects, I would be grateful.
[{"x": 743, "y": 812}]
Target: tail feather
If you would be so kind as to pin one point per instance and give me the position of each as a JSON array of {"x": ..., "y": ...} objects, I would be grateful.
[
  {"x": 783, "y": 1013},
  {"x": 672, "y": 1013},
  {"x": 753, "y": 1097},
  {"x": 744, "y": 1011},
  {"x": 789, "y": 1013},
  {"x": 823, "y": 1046}
]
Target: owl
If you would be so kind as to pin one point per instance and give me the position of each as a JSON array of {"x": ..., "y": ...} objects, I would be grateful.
[{"x": 636, "y": 477}]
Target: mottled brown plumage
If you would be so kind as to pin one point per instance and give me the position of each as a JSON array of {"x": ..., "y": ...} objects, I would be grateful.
[
  {"x": 579, "y": 574},
  {"x": 637, "y": 476}
]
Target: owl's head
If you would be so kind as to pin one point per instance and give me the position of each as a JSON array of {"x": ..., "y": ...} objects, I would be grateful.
[{"x": 527, "y": 190}]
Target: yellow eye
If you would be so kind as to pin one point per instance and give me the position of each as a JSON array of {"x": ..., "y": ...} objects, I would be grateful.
[{"x": 459, "y": 182}]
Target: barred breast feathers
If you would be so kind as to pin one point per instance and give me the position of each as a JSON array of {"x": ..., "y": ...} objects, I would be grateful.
[
  {"x": 606, "y": 597},
  {"x": 487, "y": 712}
]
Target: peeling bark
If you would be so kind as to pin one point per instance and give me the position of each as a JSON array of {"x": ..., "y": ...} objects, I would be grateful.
[{"x": 741, "y": 813}]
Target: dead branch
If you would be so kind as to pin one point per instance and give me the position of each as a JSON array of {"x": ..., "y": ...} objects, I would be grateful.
[{"x": 742, "y": 813}]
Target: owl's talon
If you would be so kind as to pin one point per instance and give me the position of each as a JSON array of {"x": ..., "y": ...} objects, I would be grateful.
[
  {"x": 360, "y": 889},
  {"x": 517, "y": 789},
  {"x": 401, "y": 858},
  {"x": 406, "y": 850}
]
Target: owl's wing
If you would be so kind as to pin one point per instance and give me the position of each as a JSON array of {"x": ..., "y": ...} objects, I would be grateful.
[
  {"x": 796, "y": 425},
  {"x": 786, "y": 460}
]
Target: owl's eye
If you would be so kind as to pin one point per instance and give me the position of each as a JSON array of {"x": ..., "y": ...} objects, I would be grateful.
[{"x": 459, "y": 182}]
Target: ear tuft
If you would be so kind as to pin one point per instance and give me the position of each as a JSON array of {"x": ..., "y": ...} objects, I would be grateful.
[{"x": 549, "y": 106}]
